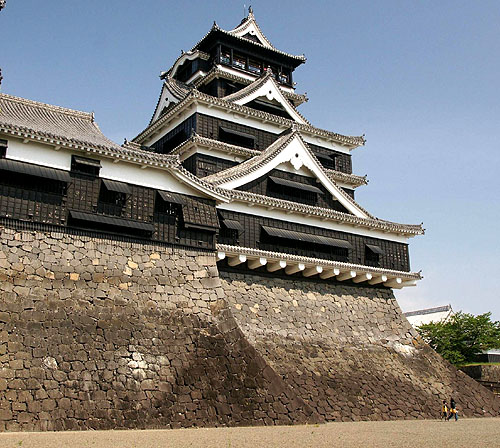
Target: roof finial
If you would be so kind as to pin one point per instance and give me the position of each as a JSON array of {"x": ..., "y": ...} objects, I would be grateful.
[
  {"x": 1, "y": 77},
  {"x": 250, "y": 10}
]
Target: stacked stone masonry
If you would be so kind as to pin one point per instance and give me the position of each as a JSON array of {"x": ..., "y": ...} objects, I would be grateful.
[{"x": 100, "y": 334}]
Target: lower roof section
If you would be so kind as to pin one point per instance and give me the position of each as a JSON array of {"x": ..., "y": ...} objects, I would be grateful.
[{"x": 321, "y": 268}]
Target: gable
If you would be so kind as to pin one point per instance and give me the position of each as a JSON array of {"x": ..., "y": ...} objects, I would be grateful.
[
  {"x": 248, "y": 29},
  {"x": 266, "y": 93},
  {"x": 290, "y": 151}
]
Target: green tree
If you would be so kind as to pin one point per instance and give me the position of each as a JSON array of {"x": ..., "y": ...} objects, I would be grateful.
[{"x": 462, "y": 337}]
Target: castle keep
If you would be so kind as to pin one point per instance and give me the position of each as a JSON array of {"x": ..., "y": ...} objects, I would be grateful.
[{"x": 214, "y": 270}]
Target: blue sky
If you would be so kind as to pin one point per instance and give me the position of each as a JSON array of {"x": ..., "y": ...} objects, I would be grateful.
[{"x": 419, "y": 78}]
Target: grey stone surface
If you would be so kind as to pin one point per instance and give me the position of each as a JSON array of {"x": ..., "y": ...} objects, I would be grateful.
[{"x": 99, "y": 334}]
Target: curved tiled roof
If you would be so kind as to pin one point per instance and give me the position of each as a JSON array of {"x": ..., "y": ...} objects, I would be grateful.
[
  {"x": 351, "y": 179},
  {"x": 216, "y": 27},
  {"x": 333, "y": 215},
  {"x": 215, "y": 72},
  {"x": 256, "y": 85},
  {"x": 77, "y": 130},
  {"x": 196, "y": 95},
  {"x": 247, "y": 23},
  {"x": 214, "y": 144},
  {"x": 193, "y": 53},
  {"x": 270, "y": 153},
  {"x": 254, "y": 163},
  {"x": 23, "y": 116}
]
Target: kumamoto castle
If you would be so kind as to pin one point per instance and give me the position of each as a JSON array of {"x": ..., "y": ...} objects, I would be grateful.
[{"x": 214, "y": 270}]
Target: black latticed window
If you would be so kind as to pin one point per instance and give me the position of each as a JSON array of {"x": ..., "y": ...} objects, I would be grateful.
[
  {"x": 3, "y": 148},
  {"x": 112, "y": 197},
  {"x": 372, "y": 255},
  {"x": 292, "y": 191},
  {"x": 237, "y": 138},
  {"x": 85, "y": 166},
  {"x": 298, "y": 243},
  {"x": 31, "y": 198}
]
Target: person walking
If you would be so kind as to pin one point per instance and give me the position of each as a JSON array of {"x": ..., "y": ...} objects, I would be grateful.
[
  {"x": 453, "y": 409},
  {"x": 444, "y": 411}
]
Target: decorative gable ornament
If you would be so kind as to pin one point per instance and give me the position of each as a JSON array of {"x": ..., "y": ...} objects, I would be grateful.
[
  {"x": 266, "y": 87},
  {"x": 249, "y": 26},
  {"x": 289, "y": 148}
]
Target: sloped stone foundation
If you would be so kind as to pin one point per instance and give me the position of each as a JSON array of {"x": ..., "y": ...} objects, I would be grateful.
[
  {"x": 101, "y": 334},
  {"x": 348, "y": 351}
]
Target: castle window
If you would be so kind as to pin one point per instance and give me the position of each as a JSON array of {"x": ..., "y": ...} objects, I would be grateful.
[
  {"x": 84, "y": 165},
  {"x": 230, "y": 230},
  {"x": 206, "y": 168},
  {"x": 236, "y": 138},
  {"x": 292, "y": 191},
  {"x": 239, "y": 61},
  {"x": 112, "y": 197},
  {"x": 254, "y": 66},
  {"x": 304, "y": 244},
  {"x": 110, "y": 224},
  {"x": 225, "y": 56},
  {"x": 327, "y": 160},
  {"x": 169, "y": 204},
  {"x": 270, "y": 108},
  {"x": 3, "y": 148},
  {"x": 373, "y": 254}
]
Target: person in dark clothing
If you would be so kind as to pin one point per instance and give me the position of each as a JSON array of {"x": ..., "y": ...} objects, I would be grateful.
[{"x": 453, "y": 409}]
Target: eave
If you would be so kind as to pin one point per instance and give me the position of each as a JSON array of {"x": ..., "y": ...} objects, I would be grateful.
[
  {"x": 198, "y": 141},
  {"x": 196, "y": 96},
  {"x": 296, "y": 60},
  {"x": 216, "y": 72},
  {"x": 317, "y": 267},
  {"x": 253, "y": 199}
]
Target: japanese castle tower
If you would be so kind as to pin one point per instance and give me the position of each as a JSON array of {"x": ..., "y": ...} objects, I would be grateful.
[
  {"x": 227, "y": 163},
  {"x": 214, "y": 270},
  {"x": 229, "y": 110}
]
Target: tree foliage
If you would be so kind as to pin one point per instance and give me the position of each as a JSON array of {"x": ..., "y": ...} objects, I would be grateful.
[{"x": 462, "y": 337}]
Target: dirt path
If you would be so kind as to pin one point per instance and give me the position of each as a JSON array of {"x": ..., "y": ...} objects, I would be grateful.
[{"x": 464, "y": 433}]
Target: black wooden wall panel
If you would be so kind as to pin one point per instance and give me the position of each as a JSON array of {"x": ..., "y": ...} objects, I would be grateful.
[{"x": 396, "y": 254}]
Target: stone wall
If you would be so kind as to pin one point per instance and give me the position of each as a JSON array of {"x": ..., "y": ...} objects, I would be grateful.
[
  {"x": 348, "y": 351},
  {"x": 483, "y": 372},
  {"x": 98, "y": 334},
  {"x": 105, "y": 334}
]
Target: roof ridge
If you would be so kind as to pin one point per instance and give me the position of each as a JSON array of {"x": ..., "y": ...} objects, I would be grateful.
[{"x": 51, "y": 107}]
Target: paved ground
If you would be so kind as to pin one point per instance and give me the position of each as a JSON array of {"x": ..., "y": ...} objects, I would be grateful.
[{"x": 475, "y": 433}]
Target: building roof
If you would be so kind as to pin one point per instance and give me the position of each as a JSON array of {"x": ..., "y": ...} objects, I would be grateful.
[
  {"x": 407, "y": 230},
  {"x": 265, "y": 86},
  {"x": 276, "y": 154},
  {"x": 195, "y": 140},
  {"x": 185, "y": 56},
  {"x": 27, "y": 117},
  {"x": 216, "y": 72},
  {"x": 195, "y": 96},
  {"x": 249, "y": 26},
  {"x": 428, "y": 315},
  {"x": 78, "y": 131}
]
